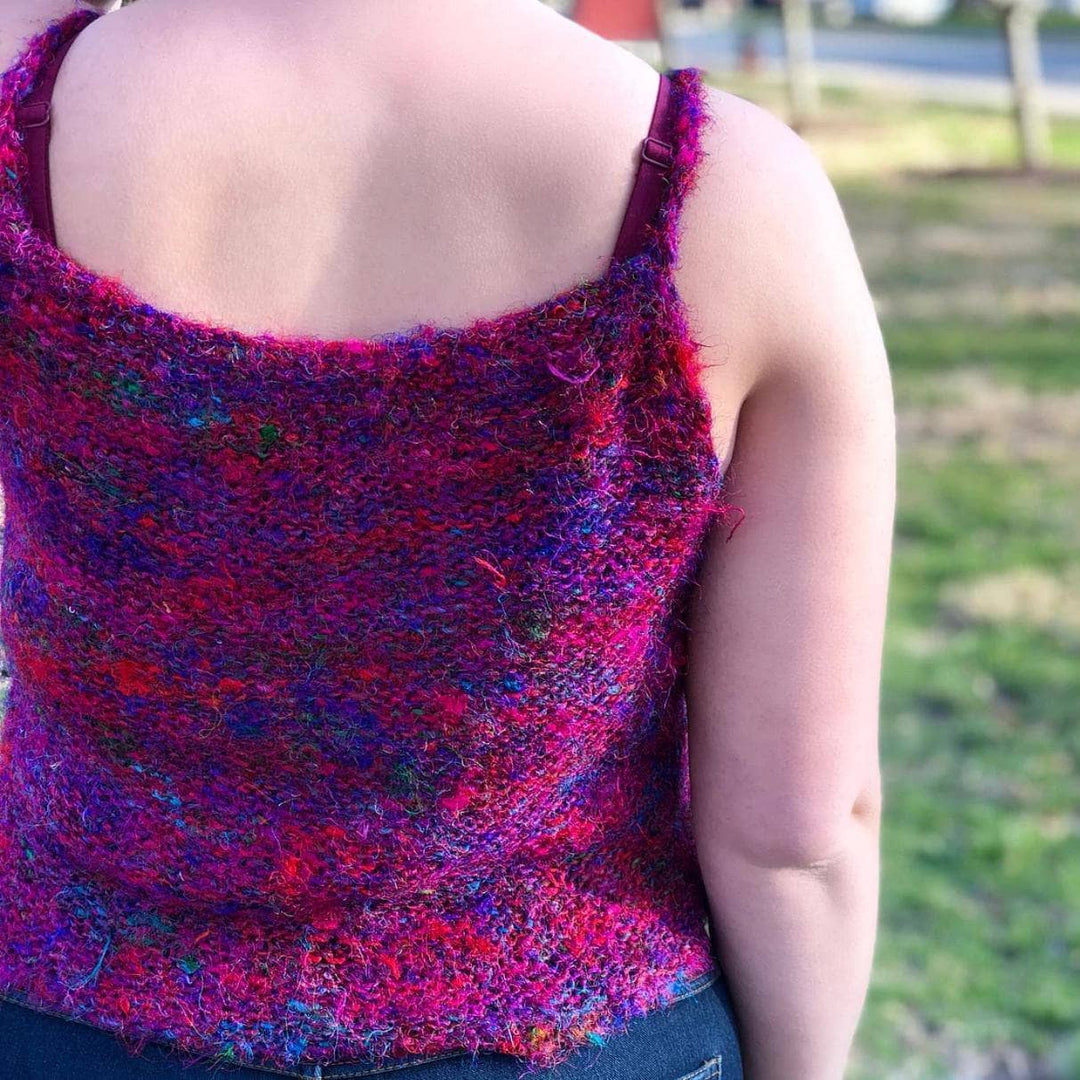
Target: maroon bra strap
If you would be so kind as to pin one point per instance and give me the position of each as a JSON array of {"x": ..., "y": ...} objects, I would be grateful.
[
  {"x": 657, "y": 157},
  {"x": 33, "y": 118}
]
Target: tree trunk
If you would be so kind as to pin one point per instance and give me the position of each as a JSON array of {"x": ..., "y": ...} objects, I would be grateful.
[
  {"x": 1022, "y": 35},
  {"x": 799, "y": 57}
]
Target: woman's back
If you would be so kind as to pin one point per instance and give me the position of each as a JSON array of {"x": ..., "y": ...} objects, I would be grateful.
[
  {"x": 350, "y": 174},
  {"x": 253, "y": 169}
]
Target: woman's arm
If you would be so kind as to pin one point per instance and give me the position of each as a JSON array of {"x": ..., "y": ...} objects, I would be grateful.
[{"x": 787, "y": 627}]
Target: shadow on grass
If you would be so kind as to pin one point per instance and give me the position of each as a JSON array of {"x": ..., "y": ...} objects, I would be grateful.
[{"x": 1048, "y": 175}]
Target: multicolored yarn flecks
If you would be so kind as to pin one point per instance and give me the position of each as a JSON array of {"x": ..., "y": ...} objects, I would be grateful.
[{"x": 346, "y": 718}]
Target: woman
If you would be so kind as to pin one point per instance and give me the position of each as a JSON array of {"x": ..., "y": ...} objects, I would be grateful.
[{"x": 376, "y": 376}]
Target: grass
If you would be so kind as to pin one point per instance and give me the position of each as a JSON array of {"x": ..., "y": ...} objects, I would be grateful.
[
  {"x": 977, "y": 971},
  {"x": 875, "y": 135},
  {"x": 987, "y": 16}
]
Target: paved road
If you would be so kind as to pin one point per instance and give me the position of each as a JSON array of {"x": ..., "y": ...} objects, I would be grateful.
[
  {"x": 975, "y": 53},
  {"x": 967, "y": 66}
]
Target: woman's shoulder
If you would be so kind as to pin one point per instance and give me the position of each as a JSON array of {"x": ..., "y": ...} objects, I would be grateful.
[{"x": 768, "y": 266}]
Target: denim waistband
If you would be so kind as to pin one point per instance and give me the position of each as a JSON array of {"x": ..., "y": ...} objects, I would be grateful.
[
  {"x": 357, "y": 1070},
  {"x": 346, "y": 1071}
]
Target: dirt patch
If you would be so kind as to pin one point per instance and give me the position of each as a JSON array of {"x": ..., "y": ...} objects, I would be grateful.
[
  {"x": 1026, "y": 596},
  {"x": 986, "y": 300},
  {"x": 979, "y": 242},
  {"x": 1001, "y": 421}
]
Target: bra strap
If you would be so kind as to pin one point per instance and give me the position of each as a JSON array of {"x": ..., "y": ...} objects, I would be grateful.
[
  {"x": 33, "y": 118},
  {"x": 657, "y": 158}
]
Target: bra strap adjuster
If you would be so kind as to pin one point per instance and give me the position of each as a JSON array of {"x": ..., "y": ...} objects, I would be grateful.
[
  {"x": 665, "y": 152},
  {"x": 32, "y": 114}
]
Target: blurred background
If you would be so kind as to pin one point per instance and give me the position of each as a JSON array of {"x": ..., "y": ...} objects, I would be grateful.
[{"x": 951, "y": 131}]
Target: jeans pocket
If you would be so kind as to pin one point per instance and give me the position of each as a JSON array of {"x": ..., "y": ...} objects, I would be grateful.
[{"x": 707, "y": 1070}]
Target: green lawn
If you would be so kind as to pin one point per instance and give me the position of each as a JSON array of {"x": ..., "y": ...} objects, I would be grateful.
[
  {"x": 988, "y": 17},
  {"x": 977, "y": 282}
]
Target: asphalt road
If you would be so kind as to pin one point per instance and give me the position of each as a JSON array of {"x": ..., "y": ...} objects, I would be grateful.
[{"x": 973, "y": 54}]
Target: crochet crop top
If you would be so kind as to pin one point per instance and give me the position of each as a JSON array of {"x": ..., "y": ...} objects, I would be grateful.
[{"x": 346, "y": 717}]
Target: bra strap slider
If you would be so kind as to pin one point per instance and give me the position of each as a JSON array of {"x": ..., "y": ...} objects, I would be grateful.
[
  {"x": 32, "y": 114},
  {"x": 664, "y": 151}
]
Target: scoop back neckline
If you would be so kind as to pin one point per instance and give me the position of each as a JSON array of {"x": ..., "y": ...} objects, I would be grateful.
[{"x": 615, "y": 287}]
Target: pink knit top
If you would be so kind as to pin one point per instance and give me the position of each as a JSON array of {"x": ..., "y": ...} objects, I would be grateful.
[{"x": 346, "y": 717}]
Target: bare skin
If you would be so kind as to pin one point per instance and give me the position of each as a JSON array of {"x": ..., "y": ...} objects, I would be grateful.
[{"x": 398, "y": 161}]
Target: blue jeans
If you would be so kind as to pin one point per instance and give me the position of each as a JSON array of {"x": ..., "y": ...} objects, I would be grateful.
[{"x": 694, "y": 1038}]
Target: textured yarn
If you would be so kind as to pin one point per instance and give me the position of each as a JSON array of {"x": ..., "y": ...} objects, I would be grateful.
[{"x": 346, "y": 718}]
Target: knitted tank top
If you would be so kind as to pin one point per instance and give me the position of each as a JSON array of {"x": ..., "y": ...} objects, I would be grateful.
[{"x": 346, "y": 717}]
